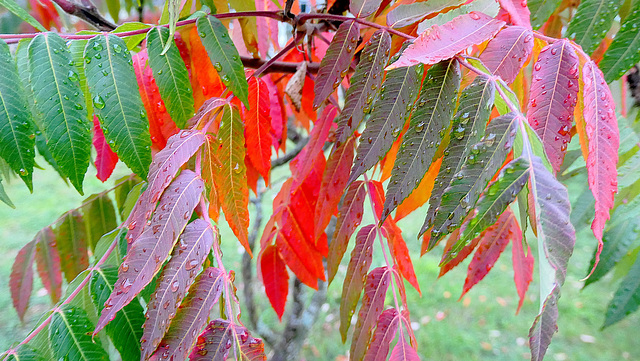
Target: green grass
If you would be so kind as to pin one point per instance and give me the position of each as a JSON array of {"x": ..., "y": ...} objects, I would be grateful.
[{"x": 482, "y": 326}]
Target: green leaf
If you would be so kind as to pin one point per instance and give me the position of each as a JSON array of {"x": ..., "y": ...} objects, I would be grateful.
[
  {"x": 591, "y": 22},
  {"x": 70, "y": 336},
  {"x": 114, "y": 9},
  {"x": 626, "y": 299},
  {"x": 121, "y": 191},
  {"x": 16, "y": 129},
  {"x": 224, "y": 56},
  {"x": 117, "y": 102},
  {"x": 541, "y": 10},
  {"x": 100, "y": 217},
  {"x": 171, "y": 76},
  {"x": 59, "y": 98},
  {"x": 430, "y": 120},
  {"x": 133, "y": 40},
  {"x": 71, "y": 244},
  {"x": 125, "y": 330},
  {"x": 24, "y": 353},
  {"x": 624, "y": 51},
  {"x": 5, "y": 197},
  {"x": 77, "y": 51},
  {"x": 18, "y": 11}
]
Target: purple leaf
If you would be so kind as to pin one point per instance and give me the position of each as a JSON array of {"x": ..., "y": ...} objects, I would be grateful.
[
  {"x": 21, "y": 278},
  {"x": 363, "y": 8},
  {"x": 403, "y": 351},
  {"x": 214, "y": 343},
  {"x": 508, "y": 51},
  {"x": 386, "y": 329},
  {"x": 48, "y": 263}
]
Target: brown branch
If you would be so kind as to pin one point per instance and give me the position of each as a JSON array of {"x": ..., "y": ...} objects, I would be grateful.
[
  {"x": 277, "y": 66},
  {"x": 87, "y": 12}
]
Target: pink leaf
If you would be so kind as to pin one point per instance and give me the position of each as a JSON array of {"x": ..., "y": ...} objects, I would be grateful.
[
  {"x": 522, "y": 269},
  {"x": 518, "y": 11},
  {"x": 147, "y": 253},
  {"x": 604, "y": 140},
  {"x": 363, "y": 8},
  {"x": 21, "y": 278},
  {"x": 275, "y": 278},
  {"x": 214, "y": 343},
  {"x": 403, "y": 351},
  {"x": 443, "y": 42},
  {"x": 278, "y": 119},
  {"x": 553, "y": 95},
  {"x": 386, "y": 329},
  {"x": 508, "y": 51},
  {"x": 48, "y": 263},
  {"x": 106, "y": 158}
]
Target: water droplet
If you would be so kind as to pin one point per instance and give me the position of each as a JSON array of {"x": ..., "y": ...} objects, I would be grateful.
[
  {"x": 98, "y": 102},
  {"x": 174, "y": 286}
]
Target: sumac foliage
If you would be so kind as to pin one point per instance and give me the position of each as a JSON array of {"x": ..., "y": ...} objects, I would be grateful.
[{"x": 377, "y": 112}]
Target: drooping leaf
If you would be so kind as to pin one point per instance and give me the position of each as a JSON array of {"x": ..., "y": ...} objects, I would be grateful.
[
  {"x": 100, "y": 218},
  {"x": 171, "y": 75},
  {"x": 210, "y": 166},
  {"x": 215, "y": 342},
  {"x": 522, "y": 268},
  {"x": 375, "y": 291},
  {"x": 429, "y": 121},
  {"x": 165, "y": 165},
  {"x": 467, "y": 129},
  {"x": 121, "y": 192},
  {"x": 71, "y": 241},
  {"x": 147, "y": 253},
  {"x": 506, "y": 54},
  {"x": 70, "y": 338},
  {"x": 257, "y": 120},
  {"x": 192, "y": 316},
  {"x": 223, "y": 55},
  {"x": 354, "y": 281},
  {"x": 541, "y": 11},
  {"x": 626, "y": 299},
  {"x": 231, "y": 180},
  {"x": 335, "y": 63},
  {"x": 421, "y": 194},
  {"x": 251, "y": 348},
  {"x": 319, "y": 135},
  {"x": 116, "y": 101},
  {"x": 16, "y": 145},
  {"x": 402, "y": 351},
  {"x": 21, "y": 278},
  {"x": 275, "y": 278},
  {"x": 18, "y": 11},
  {"x": 106, "y": 158},
  {"x": 391, "y": 110},
  {"x": 624, "y": 51},
  {"x": 518, "y": 11},
  {"x": 386, "y": 329},
  {"x": 176, "y": 278},
  {"x": 604, "y": 141},
  {"x": 443, "y": 42},
  {"x": 449, "y": 261},
  {"x": 492, "y": 243},
  {"x": 552, "y": 97},
  {"x": 48, "y": 263},
  {"x": 407, "y": 14},
  {"x": 400, "y": 253},
  {"x": 365, "y": 84},
  {"x": 349, "y": 218},
  {"x": 126, "y": 329},
  {"x": 363, "y": 8},
  {"x": 591, "y": 22}
]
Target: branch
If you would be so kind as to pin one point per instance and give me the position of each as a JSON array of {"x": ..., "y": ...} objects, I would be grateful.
[
  {"x": 277, "y": 66},
  {"x": 289, "y": 156},
  {"x": 87, "y": 12}
]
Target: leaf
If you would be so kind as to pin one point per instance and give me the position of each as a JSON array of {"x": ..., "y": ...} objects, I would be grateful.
[
  {"x": 275, "y": 278},
  {"x": 215, "y": 342},
  {"x": 171, "y": 75},
  {"x": 391, "y": 110},
  {"x": 18, "y": 11},
  {"x": 231, "y": 180},
  {"x": 623, "y": 52},
  {"x": 100, "y": 217},
  {"x": 449, "y": 261},
  {"x": 507, "y": 53},
  {"x": 468, "y": 128},
  {"x": 71, "y": 241},
  {"x": 69, "y": 337},
  {"x": 522, "y": 268},
  {"x": 48, "y": 263},
  {"x": 349, "y": 218},
  {"x": 591, "y": 22},
  {"x": 541, "y": 11},
  {"x": 126, "y": 329},
  {"x": 164, "y": 167},
  {"x": 335, "y": 63},
  {"x": 421, "y": 194},
  {"x": 363, "y": 8},
  {"x": 497, "y": 197},
  {"x": 604, "y": 141},
  {"x": 407, "y": 14},
  {"x": 386, "y": 329},
  {"x": 365, "y": 84},
  {"x": 375, "y": 291},
  {"x": 257, "y": 120},
  {"x": 429, "y": 122},
  {"x": 626, "y": 298},
  {"x": 518, "y": 11},
  {"x": 443, "y": 42},
  {"x": 354, "y": 281},
  {"x": 106, "y": 158},
  {"x": 21, "y": 278},
  {"x": 403, "y": 351},
  {"x": 556, "y": 238},
  {"x": 493, "y": 241},
  {"x": 251, "y": 348},
  {"x": 192, "y": 316},
  {"x": 223, "y": 55},
  {"x": 116, "y": 101},
  {"x": 553, "y": 95},
  {"x": 147, "y": 253},
  {"x": 23, "y": 353}
]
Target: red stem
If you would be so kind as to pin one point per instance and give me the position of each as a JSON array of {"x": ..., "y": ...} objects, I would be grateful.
[{"x": 306, "y": 16}]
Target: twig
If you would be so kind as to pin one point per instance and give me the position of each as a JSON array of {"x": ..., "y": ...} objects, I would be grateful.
[
  {"x": 247, "y": 266},
  {"x": 277, "y": 66},
  {"x": 87, "y": 12},
  {"x": 289, "y": 156}
]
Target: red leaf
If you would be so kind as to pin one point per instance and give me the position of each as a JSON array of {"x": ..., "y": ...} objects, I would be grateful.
[
  {"x": 604, "y": 140},
  {"x": 443, "y": 42},
  {"x": 518, "y": 11},
  {"x": 522, "y": 268},
  {"x": 386, "y": 329},
  {"x": 508, "y": 52},
  {"x": 71, "y": 241},
  {"x": 210, "y": 83},
  {"x": 177, "y": 276},
  {"x": 464, "y": 252},
  {"x": 349, "y": 218},
  {"x": 106, "y": 158},
  {"x": 363, "y": 8},
  {"x": 372, "y": 306},
  {"x": 191, "y": 316},
  {"x": 317, "y": 138},
  {"x": 257, "y": 131},
  {"x": 214, "y": 343},
  {"x": 48, "y": 263},
  {"x": 165, "y": 165},
  {"x": 359, "y": 264},
  {"x": 294, "y": 262},
  {"x": 334, "y": 181},
  {"x": 277, "y": 113},
  {"x": 493, "y": 241},
  {"x": 552, "y": 97},
  {"x": 147, "y": 253},
  {"x": 403, "y": 351},
  {"x": 21, "y": 278},
  {"x": 275, "y": 278}
]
